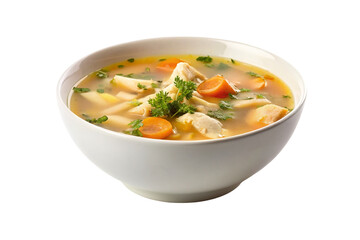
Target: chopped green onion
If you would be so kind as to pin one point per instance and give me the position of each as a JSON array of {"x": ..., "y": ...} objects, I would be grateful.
[
  {"x": 139, "y": 85},
  {"x": 204, "y": 59},
  {"x": 155, "y": 85},
  {"x": 232, "y": 96},
  {"x": 225, "y": 105},
  {"x": 244, "y": 90},
  {"x": 135, "y": 102},
  {"x": 253, "y": 74},
  {"x": 98, "y": 120},
  {"x": 81, "y": 90}
]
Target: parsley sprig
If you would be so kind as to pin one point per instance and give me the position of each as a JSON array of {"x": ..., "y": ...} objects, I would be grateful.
[
  {"x": 161, "y": 104},
  {"x": 186, "y": 88},
  {"x": 164, "y": 106}
]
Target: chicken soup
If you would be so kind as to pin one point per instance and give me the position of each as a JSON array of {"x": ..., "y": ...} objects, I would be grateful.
[{"x": 183, "y": 97}]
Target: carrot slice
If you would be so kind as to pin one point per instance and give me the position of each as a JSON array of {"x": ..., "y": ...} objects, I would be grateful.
[
  {"x": 154, "y": 127},
  {"x": 216, "y": 86},
  {"x": 169, "y": 64},
  {"x": 258, "y": 83}
]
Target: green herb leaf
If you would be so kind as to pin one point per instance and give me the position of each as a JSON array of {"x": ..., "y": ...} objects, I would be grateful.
[
  {"x": 225, "y": 105},
  {"x": 260, "y": 96},
  {"x": 141, "y": 86},
  {"x": 155, "y": 85},
  {"x": 286, "y": 96},
  {"x": 177, "y": 108},
  {"x": 160, "y": 104},
  {"x": 223, "y": 66},
  {"x": 98, "y": 120},
  {"x": 186, "y": 88},
  {"x": 244, "y": 90},
  {"x": 121, "y": 66},
  {"x": 131, "y": 60},
  {"x": 135, "y": 102},
  {"x": 81, "y": 90},
  {"x": 100, "y": 90},
  {"x": 204, "y": 59},
  {"x": 138, "y": 76},
  {"x": 165, "y": 106},
  {"x": 101, "y": 73},
  {"x": 220, "y": 114},
  {"x": 130, "y": 75},
  {"x": 135, "y": 125},
  {"x": 253, "y": 74},
  {"x": 147, "y": 69},
  {"x": 162, "y": 59},
  {"x": 232, "y": 61},
  {"x": 232, "y": 96}
]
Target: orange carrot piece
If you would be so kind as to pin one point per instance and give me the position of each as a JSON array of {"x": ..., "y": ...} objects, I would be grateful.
[
  {"x": 216, "y": 86},
  {"x": 154, "y": 127},
  {"x": 258, "y": 83},
  {"x": 169, "y": 64}
]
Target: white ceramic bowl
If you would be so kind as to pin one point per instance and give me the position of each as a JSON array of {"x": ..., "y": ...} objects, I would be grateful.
[{"x": 181, "y": 171}]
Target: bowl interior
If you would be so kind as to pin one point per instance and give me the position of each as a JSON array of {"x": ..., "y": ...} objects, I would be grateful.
[{"x": 179, "y": 45}]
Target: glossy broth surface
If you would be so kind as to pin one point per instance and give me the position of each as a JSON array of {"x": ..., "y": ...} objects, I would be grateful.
[{"x": 240, "y": 75}]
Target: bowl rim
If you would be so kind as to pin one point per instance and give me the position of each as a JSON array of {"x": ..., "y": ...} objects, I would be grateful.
[{"x": 127, "y": 137}]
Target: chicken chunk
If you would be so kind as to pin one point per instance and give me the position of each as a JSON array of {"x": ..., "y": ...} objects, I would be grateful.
[
  {"x": 269, "y": 113},
  {"x": 206, "y": 125},
  {"x": 186, "y": 73},
  {"x": 203, "y": 105}
]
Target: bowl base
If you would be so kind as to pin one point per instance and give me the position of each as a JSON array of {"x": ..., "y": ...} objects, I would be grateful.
[{"x": 182, "y": 198}]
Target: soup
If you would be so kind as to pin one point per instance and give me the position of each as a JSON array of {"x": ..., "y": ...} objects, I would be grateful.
[{"x": 182, "y": 97}]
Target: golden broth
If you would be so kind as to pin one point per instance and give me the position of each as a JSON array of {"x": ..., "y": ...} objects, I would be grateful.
[{"x": 235, "y": 72}]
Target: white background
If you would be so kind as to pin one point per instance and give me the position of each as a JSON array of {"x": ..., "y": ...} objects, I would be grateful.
[{"x": 49, "y": 190}]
